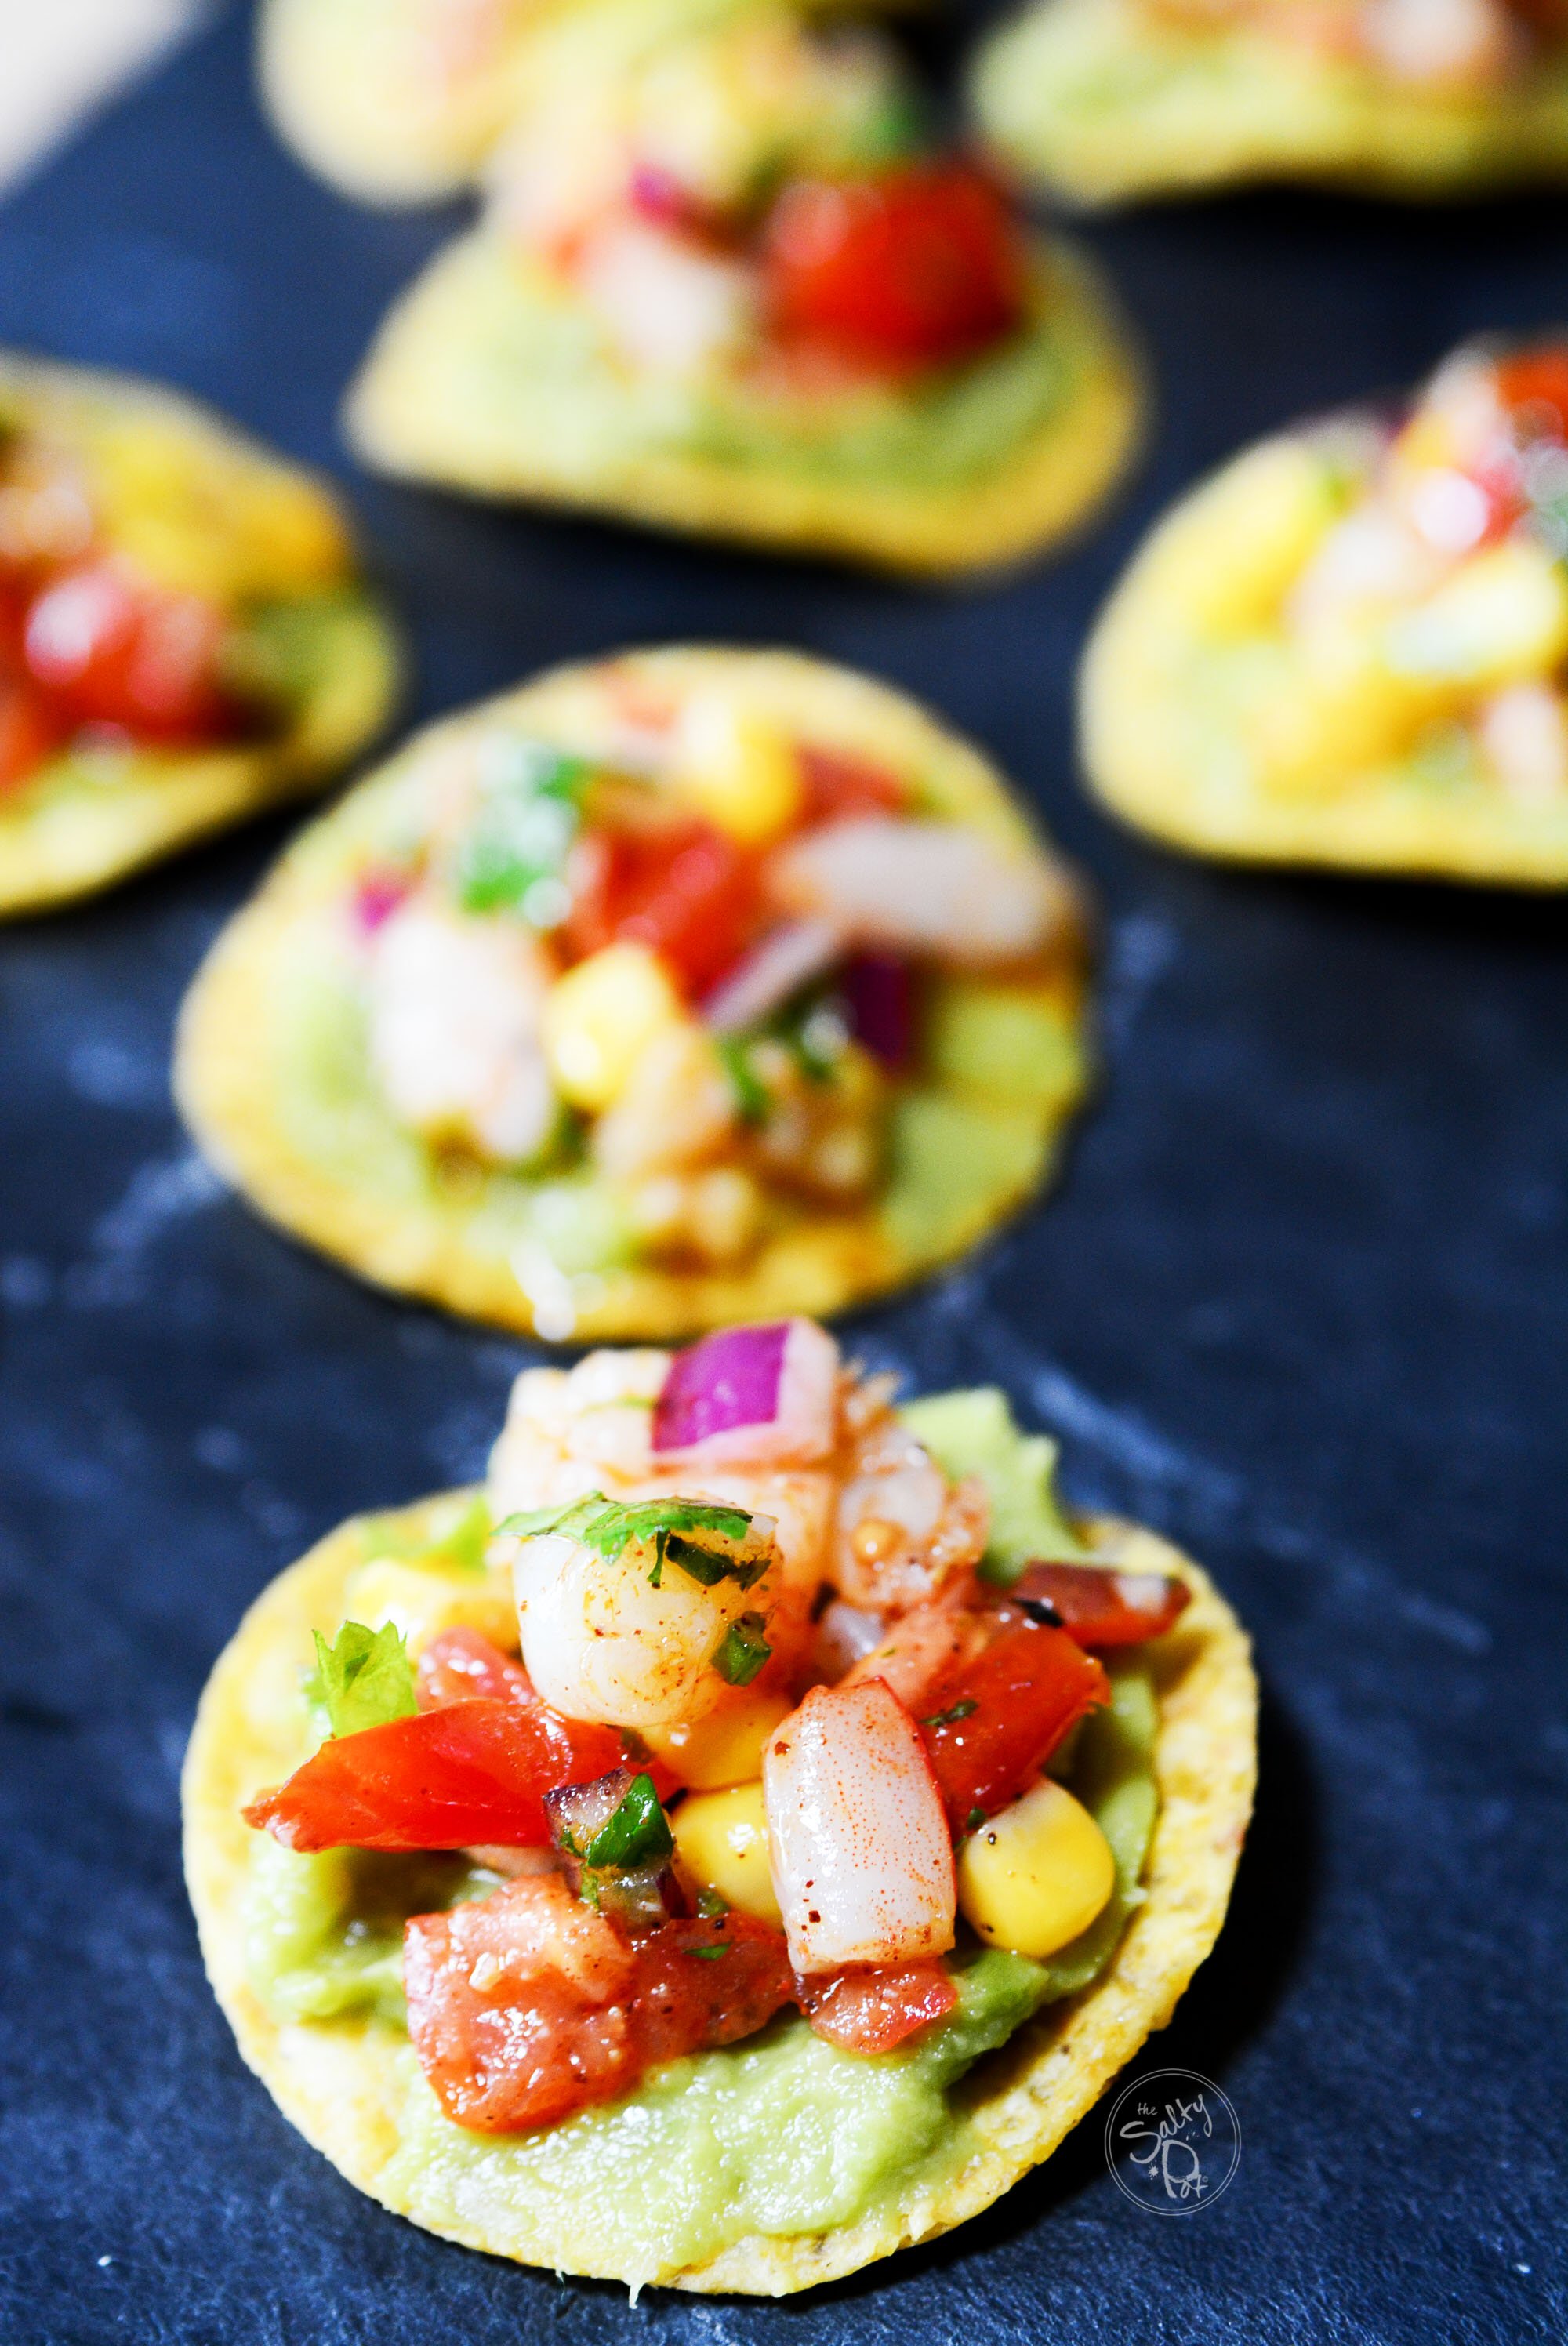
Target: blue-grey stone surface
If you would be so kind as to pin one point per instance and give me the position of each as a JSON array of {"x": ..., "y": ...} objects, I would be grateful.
[{"x": 1301, "y": 1302}]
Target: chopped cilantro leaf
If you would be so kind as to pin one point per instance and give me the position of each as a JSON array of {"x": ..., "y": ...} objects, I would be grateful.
[
  {"x": 362, "y": 1680},
  {"x": 514, "y": 855},
  {"x": 951, "y": 1718},
  {"x": 751, "y": 1101},
  {"x": 608, "y": 1529},
  {"x": 974, "y": 1820},
  {"x": 709, "y": 1955},
  {"x": 635, "y": 1833},
  {"x": 710, "y": 1905},
  {"x": 743, "y": 1650}
]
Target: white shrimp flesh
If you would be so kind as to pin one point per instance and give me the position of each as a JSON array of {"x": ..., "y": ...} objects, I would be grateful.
[{"x": 938, "y": 891}]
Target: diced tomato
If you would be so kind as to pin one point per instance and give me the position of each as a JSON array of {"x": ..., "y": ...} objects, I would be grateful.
[
  {"x": 1104, "y": 1608},
  {"x": 461, "y": 1664},
  {"x": 31, "y": 729},
  {"x": 526, "y": 2005},
  {"x": 870, "y": 2010},
  {"x": 837, "y": 784},
  {"x": 915, "y": 267},
  {"x": 469, "y": 1772},
  {"x": 992, "y": 1724},
  {"x": 686, "y": 891},
  {"x": 113, "y": 652},
  {"x": 1533, "y": 387}
]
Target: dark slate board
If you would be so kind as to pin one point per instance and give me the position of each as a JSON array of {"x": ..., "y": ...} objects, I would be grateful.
[{"x": 1301, "y": 1302}]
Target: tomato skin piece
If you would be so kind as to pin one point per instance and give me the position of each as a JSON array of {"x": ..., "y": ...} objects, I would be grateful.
[
  {"x": 1028, "y": 1687},
  {"x": 1535, "y": 384},
  {"x": 837, "y": 784},
  {"x": 686, "y": 891},
  {"x": 1102, "y": 1608},
  {"x": 471, "y": 1773},
  {"x": 31, "y": 731},
  {"x": 113, "y": 652},
  {"x": 567, "y": 2011},
  {"x": 920, "y": 266},
  {"x": 872, "y": 2008}
]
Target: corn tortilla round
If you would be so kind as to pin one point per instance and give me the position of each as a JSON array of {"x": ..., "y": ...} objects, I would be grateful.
[
  {"x": 339, "y": 2083},
  {"x": 456, "y": 1247},
  {"x": 1091, "y": 100},
  {"x": 88, "y": 820}
]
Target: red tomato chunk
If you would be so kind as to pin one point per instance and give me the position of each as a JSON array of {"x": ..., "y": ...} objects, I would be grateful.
[
  {"x": 917, "y": 267},
  {"x": 527, "y": 2005},
  {"x": 990, "y": 1725},
  {"x": 1102, "y": 1608},
  {"x": 687, "y": 892},
  {"x": 114, "y": 652},
  {"x": 475, "y": 1772},
  {"x": 867, "y": 2010}
]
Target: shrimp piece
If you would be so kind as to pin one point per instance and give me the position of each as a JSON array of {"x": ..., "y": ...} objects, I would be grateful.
[
  {"x": 615, "y": 1629},
  {"x": 571, "y": 1432},
  {"x": 454, "y": 1033},
  {"x": 858, "y": 1841},
  {"x": 925, "y": 1645},
  {"x": 902, "y": 1530},
  {"x": 940, "y": 890}
]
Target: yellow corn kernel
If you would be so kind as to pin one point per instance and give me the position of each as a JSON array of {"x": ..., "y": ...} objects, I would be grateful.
[
  {"x": 1503, "y": 618},
  {"x": 721, "y": 1838},
  {"x": 421, "y": 1605},
  {"x": 1253, "y": 532},
  {"x": 600, "y": 1018},
  {"x": 725, "y": 1746},
  {"x": 1036, "y": 1874},
  {"x": 738, "y": 770}
]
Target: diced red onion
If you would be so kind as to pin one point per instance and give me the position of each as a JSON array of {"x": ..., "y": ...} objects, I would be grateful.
[
  {"x": 762, "y": 1394},
  {"x": 880, "y": 993},
  {"x": 787, "y": 959},
  {"x": 377, "y": 898}
]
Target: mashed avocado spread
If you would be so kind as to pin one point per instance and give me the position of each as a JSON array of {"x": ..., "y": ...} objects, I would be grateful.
[{"x": 783, "y": 2133}]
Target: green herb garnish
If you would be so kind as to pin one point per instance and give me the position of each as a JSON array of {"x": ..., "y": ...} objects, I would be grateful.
[
  {"x": 514, "y": 855},
  {"x": 743, "y": 1650},
  {"x": 635, "y": 1833},
  {"x": 974, "y": 1820},
  {"x": 751, "y": 1097},
  {"x": 666, "y": 1524},
  {"x": 362, "y": 1680},
  {"x": 709, "y": 1955},
  {"x": 950, "y": 1718}
]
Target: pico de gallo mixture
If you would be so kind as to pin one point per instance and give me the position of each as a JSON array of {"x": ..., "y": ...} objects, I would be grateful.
[
  {"x": 147, "y": 574},
  {"x": 1427, "y": 613},
  {"x": 764, "y": 202},
  {"x": 690, "y": 964},
  {"x": 769, "y": 1718}
]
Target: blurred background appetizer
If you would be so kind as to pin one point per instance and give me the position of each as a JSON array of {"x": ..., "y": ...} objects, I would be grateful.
[
  {"x": 726, "y": 281},
  {"x": 665, "y": 1829},
  {"x": 1108, "y": 100},
  {"x": 185, "y": 633},
  {"x": 1349, "y": 646},
  {"x": 402, "y": 101},
  {"x": 662, "y": 992}
]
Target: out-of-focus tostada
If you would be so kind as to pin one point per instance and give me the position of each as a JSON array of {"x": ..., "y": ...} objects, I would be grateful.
[
  {"x": 736, "y": 1844},
  {"x": 1351, "y": 646},
  {"x": 402, "y": 101},
  {"x": 725, "y": 282},
  {"x": 1107, "y": 100},
  {"x": 668, "y": 990},
  {"x": 184, "y": 632}
]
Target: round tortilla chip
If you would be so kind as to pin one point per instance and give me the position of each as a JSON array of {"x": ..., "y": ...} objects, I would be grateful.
[
  {"x": 342, "y": 2083},
  {"x": 465, "y": 385},
  {"x": 1092, "y": 101},
  {"x": 1162, "y": 736},
  {"x": 91, "y": 818},
  {"x": 254, "y": 1078}
]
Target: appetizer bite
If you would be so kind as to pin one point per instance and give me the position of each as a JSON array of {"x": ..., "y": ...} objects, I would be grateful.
[
  {"x": 1103, "y": 100},
  {"x": 663, "y": 1831},
  {"x": 726, "y": 283},
  {"x": 664, "y": 991},
  {"x": 184, "y": 632},
  {"x": 1349, "y": 646}
]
